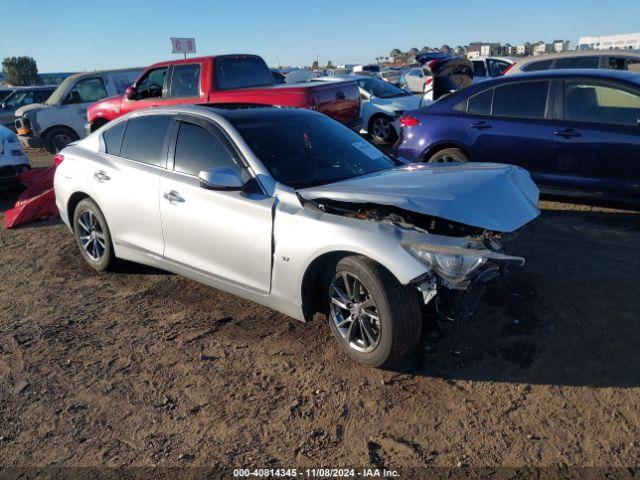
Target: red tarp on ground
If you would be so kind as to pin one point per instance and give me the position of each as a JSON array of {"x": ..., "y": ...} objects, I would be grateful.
[{"x": 37, "y": 202}]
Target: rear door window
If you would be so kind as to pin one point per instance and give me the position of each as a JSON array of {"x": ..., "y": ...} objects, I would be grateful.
[
  {"x": 198, "y": 149},
  {"x": 480, "y": 104},
  {"x": 578, "y": 62},
  {"x": 144, "y": 139},
  {"x": 537, "y": 66},
  {"x": 185, "y": 81},
  {"x": 112, "y": 138},
  {"x": 523, "y": 99},
  {"x": 600, "y": 103},
  {"x": 617, "y": 63}
]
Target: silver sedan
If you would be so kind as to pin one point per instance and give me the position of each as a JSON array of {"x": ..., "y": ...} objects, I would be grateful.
[{"x": 290, "y": 209}]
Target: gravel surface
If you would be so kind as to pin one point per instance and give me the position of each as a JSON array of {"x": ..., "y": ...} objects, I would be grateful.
[{"x": 144, "y": 368}]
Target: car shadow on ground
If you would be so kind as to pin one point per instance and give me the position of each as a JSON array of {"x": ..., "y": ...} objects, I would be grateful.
[{"x": 570, "y": 316}]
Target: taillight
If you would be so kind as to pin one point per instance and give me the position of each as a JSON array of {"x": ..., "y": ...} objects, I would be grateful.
[
  {"x": 428, "y": 81},
  {"x": 409, "y": 121},
  {"x": 432, "y": 64},
  {"x": 58, "y": 159}
]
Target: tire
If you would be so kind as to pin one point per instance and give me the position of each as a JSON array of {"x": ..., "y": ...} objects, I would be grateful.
[
  {"x": 59, "y": 137},
  {"x": 388, "y": 311},
  {"x": 381, "y": 130},
  {"x": 448, "y": 155},
  {"x": 97, "y": 251}
]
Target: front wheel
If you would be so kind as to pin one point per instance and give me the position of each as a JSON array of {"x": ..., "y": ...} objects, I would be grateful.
[
  {"x": 381, "y": 130},
  {"x": 59, "y": 137},
  {"x": 375, "y": 319}
]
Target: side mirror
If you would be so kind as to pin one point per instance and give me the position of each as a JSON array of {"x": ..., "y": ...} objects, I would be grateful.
[
  {"x": 130, "y": 93},
  {"x": 221, "y": 178}
]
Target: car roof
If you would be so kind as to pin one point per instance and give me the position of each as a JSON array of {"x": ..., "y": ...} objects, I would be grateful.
[
  {"x": 581, "y": 53},
  {"x": 35, "y": 87},
  {"x": 604, "y": 74},
  {"x": 200, "y": 59}
]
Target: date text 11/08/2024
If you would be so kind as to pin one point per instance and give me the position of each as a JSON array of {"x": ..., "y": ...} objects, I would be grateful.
[{"x": 316, "y": 472}]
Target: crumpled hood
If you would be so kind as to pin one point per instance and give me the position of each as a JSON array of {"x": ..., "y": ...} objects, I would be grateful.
[{"x": 492, "y": 196}]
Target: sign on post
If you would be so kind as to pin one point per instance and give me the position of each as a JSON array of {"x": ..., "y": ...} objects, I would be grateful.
[{"x": 183, "y": 45}]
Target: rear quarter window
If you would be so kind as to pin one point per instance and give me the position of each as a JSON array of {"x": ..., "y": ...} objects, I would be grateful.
[
  {"x": 112, "y": 138},
  {"x": 480, "y": 104}
]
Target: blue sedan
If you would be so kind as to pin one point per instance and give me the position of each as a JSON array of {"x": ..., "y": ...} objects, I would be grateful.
[{"x": 576, "y": 131}]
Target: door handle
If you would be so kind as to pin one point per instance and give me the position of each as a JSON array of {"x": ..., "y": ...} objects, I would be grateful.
[
  {"x": 173, "y": 197},
  {"x": 568, "y": 133},
  {"x": 101, "y": 176},
  {"x": 481, "y": 125}
]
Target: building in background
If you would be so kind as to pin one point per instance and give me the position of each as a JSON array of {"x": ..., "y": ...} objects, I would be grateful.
[
  {"x": 629, "y": 41},
  {"x": 560, "y": 46}
]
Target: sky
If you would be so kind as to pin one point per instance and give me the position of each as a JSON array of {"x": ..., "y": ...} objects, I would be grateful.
[{"x": 76, "y": 35}]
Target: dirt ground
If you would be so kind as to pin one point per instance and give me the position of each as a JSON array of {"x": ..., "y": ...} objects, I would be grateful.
[{"x": 145, "y": 368}]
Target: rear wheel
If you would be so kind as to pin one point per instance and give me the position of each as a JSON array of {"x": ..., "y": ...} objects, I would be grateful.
[
  {"x": 59, "y": 137},
  {"x": 448, "y": 155},
  {"x": 381, "y": 130},
  {"x": 93, "y": 236},
  {"x": 375, "y": 319}
]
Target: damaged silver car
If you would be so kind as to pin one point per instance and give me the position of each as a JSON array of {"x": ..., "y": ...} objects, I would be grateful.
[{"x": 292, "y": 210}]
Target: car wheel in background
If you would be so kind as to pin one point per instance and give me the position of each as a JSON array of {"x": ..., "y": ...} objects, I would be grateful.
[
  {"x": 93, "y": 236},
  {"x": 381, "y": 130},
  {"x": 448, "y": 155},
  {"x": 375, "y": 319},
  {"x": 59, "y": 137}
]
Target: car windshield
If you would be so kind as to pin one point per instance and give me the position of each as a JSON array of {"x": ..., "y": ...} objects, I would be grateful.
[
  {"x": 381, "y": 89},
  {"x": 60, "y": 92},
  {"x": 301, "y": 149}
]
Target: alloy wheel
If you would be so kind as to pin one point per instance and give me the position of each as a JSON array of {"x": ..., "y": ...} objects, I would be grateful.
[
  {"x": 381, "y": 129},
  {"x": 91, "y": 235},
  {"x": 354, "y": 312}
]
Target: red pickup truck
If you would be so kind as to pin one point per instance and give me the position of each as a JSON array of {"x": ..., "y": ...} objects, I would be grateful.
[{"x": 226, "y": 79}]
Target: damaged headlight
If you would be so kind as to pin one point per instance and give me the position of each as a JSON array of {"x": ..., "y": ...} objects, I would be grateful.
[{"x": 454, "y": 265}]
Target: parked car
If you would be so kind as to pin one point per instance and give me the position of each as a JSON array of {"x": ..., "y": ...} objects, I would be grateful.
[
  {"x": 394, "y": 76},
  {"x": 291, "y": 209},
  {"x": 604, "y": 59},
  {"x": 226, "y": 79},
  {"x": 20, "y": 97},
  {"x": 485, "y": 68},
  {"x": 439, "y": 75},
  {"x": 576, "y": 131},
  {"x": 12, "y": 158},
  {"x": 381, "y": 104},
  {"x": 61, "y": 118}
]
